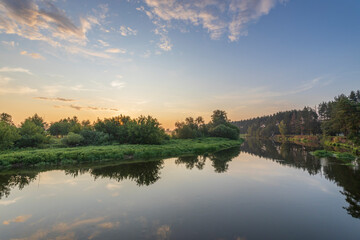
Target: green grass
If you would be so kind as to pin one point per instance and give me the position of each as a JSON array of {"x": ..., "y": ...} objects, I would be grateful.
[
  {"x": 170, "y": 148},
  {"x": 342, "y": 156}
]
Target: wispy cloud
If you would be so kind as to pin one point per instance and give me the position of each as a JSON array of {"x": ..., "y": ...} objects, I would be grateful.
[
  {"x": 18, "y": 70},
  {"x": 91, "y": 108},
  {"x": 33, "y": 55},
  {"x": 29, "y": 20},
  {"x": 18, "y": 219},
  {"x": 115, "y": 50},
  {"x": 8, "y": 202},
  {"x": 55, "y": 99},
  {"x": 117, "y": 84},
  {"x": 103, "y": 43},
  {"x": 9, "y": 43},
  {"x": 218, "y": 17},
  {"x": 127, "y": 31},
  {"x": 17, "y": 90},
  {"x": 257, "y": 95}
]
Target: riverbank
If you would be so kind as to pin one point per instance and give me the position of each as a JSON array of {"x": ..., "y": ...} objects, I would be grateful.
[
  {"x": 171, "y": 148},
  {"x": 335, "y": 144}
]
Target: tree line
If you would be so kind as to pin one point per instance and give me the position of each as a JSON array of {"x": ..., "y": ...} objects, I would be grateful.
[
  {"x": 219, "y": 126},
  {"x": 36, "y": 133},
  {"x": 338, "y": 117}
]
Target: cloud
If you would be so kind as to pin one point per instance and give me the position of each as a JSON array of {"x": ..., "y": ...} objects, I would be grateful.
[
  {"x": 257, "y": 95},
  {"x": 8, "y": 202},
  {"x": 117, "y": 84},
  {"x": 18, "y": 70},
  {"x": 127, "y": 31},
  {"x": 103, "y": 43},
  {"x": 33, "y": 55},
  {"x": 18, "y": 90},
  {"x": 217, "y": 17},
  {"x": 55, "y": 99},
  {"x": 91, "y": 108},
  {"x": 9, "y": 43},
  {"x": 4, "y": 80},
  {"x": 115, "y": 50},
  {"x": 29, "y": 20},
  {"x": 163, "y": 232},
  {"x": 18, "y": 219},
  {"x": 113, "y": 186},
  {"x": 108, "y": 225}
]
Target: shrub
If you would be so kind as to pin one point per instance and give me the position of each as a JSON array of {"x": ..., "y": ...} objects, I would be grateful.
[
  {"x": 72, "y": 139},
  {"x": 32, "y": 135},
  {"x": 94, "y": 137},
  {"x": 8, "y": 135},
  {"x": 224, "y": 131}
]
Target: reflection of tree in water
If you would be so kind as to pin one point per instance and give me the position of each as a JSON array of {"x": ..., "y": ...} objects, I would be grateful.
[
  {"x": 298, "y": 156},
  {"x": 219, "y": 160},
  {"x": 143, "y": 173},
  {"x": 9, "y": 181},
  {"x": 192, "y": 161},
  {"x": 286, "y": 153},
  {"x": 349, "y": 179}
]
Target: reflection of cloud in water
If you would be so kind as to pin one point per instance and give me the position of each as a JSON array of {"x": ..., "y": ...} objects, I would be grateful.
[
  {"x": 163, "y": 232},
  {"x": 8, "y": 202},
  {"x": 65, "y": 230},
  {"x": 109, "y": 225},
  {"x": 18, "y": 219},
  {"x": 113, "y": 186}
]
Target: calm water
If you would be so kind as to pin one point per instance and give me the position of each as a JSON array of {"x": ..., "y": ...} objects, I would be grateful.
[{"x": 259, "y": 191}]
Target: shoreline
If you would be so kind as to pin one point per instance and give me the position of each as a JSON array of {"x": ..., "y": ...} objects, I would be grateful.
[{"x": 74, "y": 155}]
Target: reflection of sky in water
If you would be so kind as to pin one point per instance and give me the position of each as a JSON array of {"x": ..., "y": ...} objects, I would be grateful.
[{"x": 254, "y": 199}]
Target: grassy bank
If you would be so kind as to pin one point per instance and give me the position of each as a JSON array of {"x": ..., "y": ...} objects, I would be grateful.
[
  {"x": 332, "y": 144},
  {"x": 339, "y": 155},
  {"x": 170, "y": 148}
]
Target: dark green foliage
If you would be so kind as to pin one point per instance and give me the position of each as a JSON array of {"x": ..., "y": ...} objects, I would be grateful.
[
  {"x": 219, "y": 126},
  {"x": 145, "y": 130},
  {"x": 123, "y": 129},
  {"x": 224, "y": 131},
  {"x": 342, "y": 116},
  {"x": 91, "y": 137},
  {"x": 32, "y": 134},
  {"x": 338, "y": 117},
  {"x": 72, "y": 139},
  {"x": 8, "y": 134},
  {"x": 64, "y": 126}
]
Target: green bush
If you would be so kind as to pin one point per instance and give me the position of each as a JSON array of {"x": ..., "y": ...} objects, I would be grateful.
[
  {"x": 91, "y": 137},
  {"x": 72, "y": 139},
  {"x": 224, "y": 132},
  {"x": 32, "y": 135},
  {"x": 8, "y": 135}
]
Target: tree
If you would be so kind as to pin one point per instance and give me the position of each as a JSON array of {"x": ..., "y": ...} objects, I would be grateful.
[
  {"x": 4, "y": 117},
  {"x": 8, "y": 134},
  {"x": 219, "y": 117},
  {"x": 32, "y": 135},
  {"x": 282, "y": 128},
  {"x": 72, "y": 139}
]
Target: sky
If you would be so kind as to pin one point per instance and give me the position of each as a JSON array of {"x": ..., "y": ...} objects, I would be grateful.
[{"x": 175, "y": 58}]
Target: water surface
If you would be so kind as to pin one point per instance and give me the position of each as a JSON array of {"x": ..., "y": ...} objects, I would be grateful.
[{"x": 261, "y": 190}]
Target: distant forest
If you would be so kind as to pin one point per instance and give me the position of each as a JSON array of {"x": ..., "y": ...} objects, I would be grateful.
[{"x": 338, "y": 117}]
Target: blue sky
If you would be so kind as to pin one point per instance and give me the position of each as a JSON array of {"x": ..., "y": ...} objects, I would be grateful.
[{"x": 176, "y": 58}]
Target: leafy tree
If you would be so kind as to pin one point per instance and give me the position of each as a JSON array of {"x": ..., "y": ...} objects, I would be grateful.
[
  {"x": 219, "y": 117},
  {"x": 4, "y": 117},
  {"x": 32, "y": 135},
  {"x": 224, "y": 131},
  {"x": 282, "y": 128},
  {"x": 37, "y": 120},
  {"x": 8, "y": 135},
  {"x": 72, "y": 139}
]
